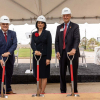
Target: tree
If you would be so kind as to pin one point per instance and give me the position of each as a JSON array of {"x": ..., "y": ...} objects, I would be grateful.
[
  {"x": 92, "y": 43},
  {"x": 84, "y": 42}
]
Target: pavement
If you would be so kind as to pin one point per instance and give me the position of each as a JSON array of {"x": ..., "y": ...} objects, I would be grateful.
[{"x": 55, "y": 88}]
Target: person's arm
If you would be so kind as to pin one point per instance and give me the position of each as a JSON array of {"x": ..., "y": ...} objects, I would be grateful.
[
  {"x": 76, "y": 38},
  {"x": 14, "y": 45},
  {"x": 57, "y": 45},
  {"x": 76, "y": 41},
  {"x": 34, "y": 47},
  {"x": 32, "y": 43},
  {"x": 1, "y": 62},
  {"x": 49, "y": 46},
  {"x": 57, "y": 41},
  {"x": 0, "y": 57}
]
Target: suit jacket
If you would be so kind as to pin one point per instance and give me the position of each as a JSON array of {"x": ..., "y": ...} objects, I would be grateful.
[
  {"x": 72, "y": 38},
  {"x": 42, "y": 43},
  {"x": 8, "y": 46}
]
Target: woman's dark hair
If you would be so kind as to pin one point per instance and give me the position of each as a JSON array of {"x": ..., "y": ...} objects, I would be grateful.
[{"x": 44, "y": 25}]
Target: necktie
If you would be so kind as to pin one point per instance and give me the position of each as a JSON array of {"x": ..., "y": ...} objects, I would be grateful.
[
  {"x": 5, "y": 36},
  {"x": 65, "y": 30}
]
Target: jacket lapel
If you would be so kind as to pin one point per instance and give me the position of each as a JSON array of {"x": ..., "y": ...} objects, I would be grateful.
[
  {"x": 62, "y": 32},
  {"x": 2, "y": 36},
  {"x": 8, "y": 37},
  {"x": 36, "y": 38},
  {"x": 39, "y": 39},
  {"x": 42, "y": 34}
]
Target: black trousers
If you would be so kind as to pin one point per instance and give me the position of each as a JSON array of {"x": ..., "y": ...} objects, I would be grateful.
[
  {"x": 64, "y": 62},
  {"x": 9, "y": 71}
]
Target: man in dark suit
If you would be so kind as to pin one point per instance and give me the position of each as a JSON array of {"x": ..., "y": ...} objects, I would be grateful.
[
  {"x": 8, "y": 43},
  {"x": 67, "y": 40}
]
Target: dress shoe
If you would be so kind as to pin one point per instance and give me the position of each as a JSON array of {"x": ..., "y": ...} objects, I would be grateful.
[
  {"x": 63, "y": 92},
  {"x": 10, "y": 92},
  {"x": 76, "y": 91}
]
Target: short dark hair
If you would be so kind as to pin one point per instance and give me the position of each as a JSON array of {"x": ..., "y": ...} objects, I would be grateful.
[{"x": 44, "y": 25}]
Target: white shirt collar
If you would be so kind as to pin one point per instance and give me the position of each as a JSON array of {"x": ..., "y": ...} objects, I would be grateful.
[
  {"x": 4, "y": 32},
  {"x": 67, "y": 24}
]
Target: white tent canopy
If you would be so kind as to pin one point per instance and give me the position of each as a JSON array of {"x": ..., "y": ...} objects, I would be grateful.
[{"x": 26, "y": 11}]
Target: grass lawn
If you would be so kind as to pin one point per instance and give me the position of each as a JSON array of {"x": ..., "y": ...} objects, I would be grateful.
[
  {"x": 25, "y": 53},
  {"x": 89, "y": 50}
]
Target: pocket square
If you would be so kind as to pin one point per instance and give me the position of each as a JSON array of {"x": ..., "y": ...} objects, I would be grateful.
[{"x": 11, "y": 38}]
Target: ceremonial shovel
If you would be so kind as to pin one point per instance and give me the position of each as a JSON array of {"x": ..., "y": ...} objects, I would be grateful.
[
  {"x": 2, "y": 83},
  {"x": 72, "y": 80},
  {"x": 38, "y": 94}
]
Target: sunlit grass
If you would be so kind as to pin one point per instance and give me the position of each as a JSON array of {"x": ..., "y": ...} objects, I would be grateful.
[{"x": 24, "y": 52}]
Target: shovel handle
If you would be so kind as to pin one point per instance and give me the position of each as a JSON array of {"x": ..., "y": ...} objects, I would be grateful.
[
  {"x": 39, "y": 58},
  {"x": 3, "y": 60},
  {"x": 3, "y": 74},
  {"x": 71, "y": 71},
  {"x": 71, "y": 66},
  {"x": 37, "y": 72},
  {"x": 68, "y": 56}
]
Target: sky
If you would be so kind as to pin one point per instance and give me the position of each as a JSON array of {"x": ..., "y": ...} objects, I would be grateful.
[{"x": 92, "y": 31}]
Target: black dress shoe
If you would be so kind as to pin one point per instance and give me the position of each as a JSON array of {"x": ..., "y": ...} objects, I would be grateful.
[
  {"x": 63, "y": 92},
  {"x": 75, "y": 91}
]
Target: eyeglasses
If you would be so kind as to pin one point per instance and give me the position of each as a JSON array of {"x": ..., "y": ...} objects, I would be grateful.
[
  {"x": 67, "y": 15},
  {"x": 5, "y": 24}
]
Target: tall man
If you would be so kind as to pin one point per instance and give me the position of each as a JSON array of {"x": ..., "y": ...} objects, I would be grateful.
[
  {"x": 8, "y": 43},
  {"x": 67, "y": 40}
]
